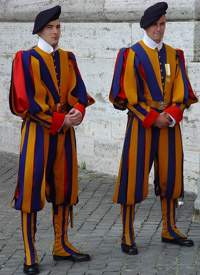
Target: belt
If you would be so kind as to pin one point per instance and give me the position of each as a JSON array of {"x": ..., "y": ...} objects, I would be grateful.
[
  {"x": 160, "y": 105},
  {"x": 59, "y": 108}
]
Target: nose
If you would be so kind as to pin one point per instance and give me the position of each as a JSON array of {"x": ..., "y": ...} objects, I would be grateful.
[
  {"x": 55, "y": 30},
  {"x": 158, "y": 27}
]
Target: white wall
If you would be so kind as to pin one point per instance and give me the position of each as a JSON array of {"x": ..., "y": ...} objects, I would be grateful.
[{"x": 95, "y": 31}]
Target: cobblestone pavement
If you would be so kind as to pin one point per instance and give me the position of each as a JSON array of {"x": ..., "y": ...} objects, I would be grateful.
[{"x": 97, "y": 229}]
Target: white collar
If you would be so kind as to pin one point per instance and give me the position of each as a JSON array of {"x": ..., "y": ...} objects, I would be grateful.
[
  {"x": 43, "y": 45},
  {"x": 152, "y": 44}
]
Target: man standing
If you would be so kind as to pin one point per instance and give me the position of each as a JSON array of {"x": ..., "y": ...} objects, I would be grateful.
[
  {"x": 48, "y": 93},
  {"x": 151, "y": 82}
]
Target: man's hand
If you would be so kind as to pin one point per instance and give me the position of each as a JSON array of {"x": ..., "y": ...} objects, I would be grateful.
[
  {"x": 67, "y": 122},
  {"x": 162, "y": 121},
  {"x": 75, "y": 116}
]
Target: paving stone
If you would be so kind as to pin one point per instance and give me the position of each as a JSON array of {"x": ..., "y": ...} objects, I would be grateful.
[{"x": 97, "y": 230}]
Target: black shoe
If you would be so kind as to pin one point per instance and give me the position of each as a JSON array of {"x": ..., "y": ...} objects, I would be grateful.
[
  {"x": 31, "y": 269},
  {"x": 179, "y": 241},
  {"x": 129, "y": 249},
  {"x": 78, "y": 257}
]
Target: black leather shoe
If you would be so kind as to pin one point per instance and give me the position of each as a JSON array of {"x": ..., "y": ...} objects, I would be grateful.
[
  {"x": 179, "y": 241},
  {"x": 129, "y": 249},
  {"x": 78, "y": 257},
  {"x": 31, "y": 269}
]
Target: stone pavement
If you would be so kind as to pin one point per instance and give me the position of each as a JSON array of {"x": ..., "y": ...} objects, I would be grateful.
[{"x": 97, "y": 229}]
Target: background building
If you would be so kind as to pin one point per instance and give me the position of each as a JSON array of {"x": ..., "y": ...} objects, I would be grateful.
[{"x": 95, "y": 30}]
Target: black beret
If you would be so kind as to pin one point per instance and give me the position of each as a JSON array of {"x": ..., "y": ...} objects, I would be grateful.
[
  {"x": 153, "y": 14},
  {"x": 44, "y": 17}
]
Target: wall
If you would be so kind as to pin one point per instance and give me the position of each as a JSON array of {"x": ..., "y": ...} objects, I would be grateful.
[{"x": 95, "y": 31}]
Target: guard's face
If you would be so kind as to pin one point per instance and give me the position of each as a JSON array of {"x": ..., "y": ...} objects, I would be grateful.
[
  {"x": 157, "y": 29},
  {"x": 51, "y": 33}
]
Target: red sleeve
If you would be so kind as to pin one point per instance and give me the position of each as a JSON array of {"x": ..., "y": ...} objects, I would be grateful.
[
  {"x": 20, "y": 97},
  {"x": 57, "y": 122},
  {"x": 81, "y": 108},
  {"x": 150, "y": 118},
  {"x": 175, "y": 112}
]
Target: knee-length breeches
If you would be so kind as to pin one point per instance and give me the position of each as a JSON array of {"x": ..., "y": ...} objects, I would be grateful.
[
  {"x": 47, "y": 168},
  {"x": 142, "y": 148}
]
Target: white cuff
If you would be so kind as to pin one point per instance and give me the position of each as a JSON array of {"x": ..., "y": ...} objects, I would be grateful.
[{"x": 172, "y": 124}]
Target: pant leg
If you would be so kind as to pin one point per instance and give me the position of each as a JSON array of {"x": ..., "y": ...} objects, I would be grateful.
[
  {"x": 28, "y": 222},
  {"x": 62, "y": 247},
  {"x": 169, "y": 164},
  {"x": 127, "y": 214},
  {"x": 169, "y": 230}
]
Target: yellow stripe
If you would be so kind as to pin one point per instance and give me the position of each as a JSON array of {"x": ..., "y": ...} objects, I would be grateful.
[
  {"x": 178, "y": 162},
  {"x": 146, "y": 162},
  {"x": 163, "y": 159},
  {"x": 46, "y": 151},
  {"x": 58, "y": 169},
  {"x": 29, "y": 166},
  {"x": 130, "y": 83},
  {"x": 40, "y": 89}
]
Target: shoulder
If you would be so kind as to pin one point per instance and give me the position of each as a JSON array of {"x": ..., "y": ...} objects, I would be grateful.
[
  {"x": 170, "y": 49},
  {"x": 70, "y": 54}
]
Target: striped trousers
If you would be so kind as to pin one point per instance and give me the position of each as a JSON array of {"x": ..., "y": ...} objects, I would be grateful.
[{"x": 169, "y": 229}]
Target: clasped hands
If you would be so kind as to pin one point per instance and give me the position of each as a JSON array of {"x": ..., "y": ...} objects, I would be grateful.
[
  {"x": 73, "y": 118},
  {"x": 163, "y": 120}
]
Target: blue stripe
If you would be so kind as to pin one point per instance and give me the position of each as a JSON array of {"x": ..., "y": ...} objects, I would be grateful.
[
  {"x": 163, "y": 60},
  {"x": 53, "y": 140},
  {"x": 122, "y": 197},
  {"x": 38, "y": 168},
  {"x": 79, "y": 90},
  {"x": 117, "y": 75},
  {"x": 185, "y": 80},
  {"x": 171, "y": 231},
  {"x": 22, "y": 168},
  {"x": 46, "y": 76},
  {"x": 30, "y": 90},
  {"x": 154, "y": 157},
  {"x": 42, "y": 120},
  {"x": 131, "y": 224},
  {"x": 140, "y": 164},
  {"x": 151, "y": 80},
  {"x": 29, "y": 235}
]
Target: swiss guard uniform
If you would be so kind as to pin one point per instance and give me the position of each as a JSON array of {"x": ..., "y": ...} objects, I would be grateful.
[
  {"x": 45, "y": 86},
  {"x": 146, "y": 82}
]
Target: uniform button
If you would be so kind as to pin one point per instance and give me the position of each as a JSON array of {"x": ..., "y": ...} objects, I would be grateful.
[
  {"x": 161, "y": 77},
  {"x": 55, "y": 67},
  {"x": 160, "y": 63},
  {"x": 161, "y": 71},
  {"x": 159, "y": 56},
  {"x": 163, "y": 84}
]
